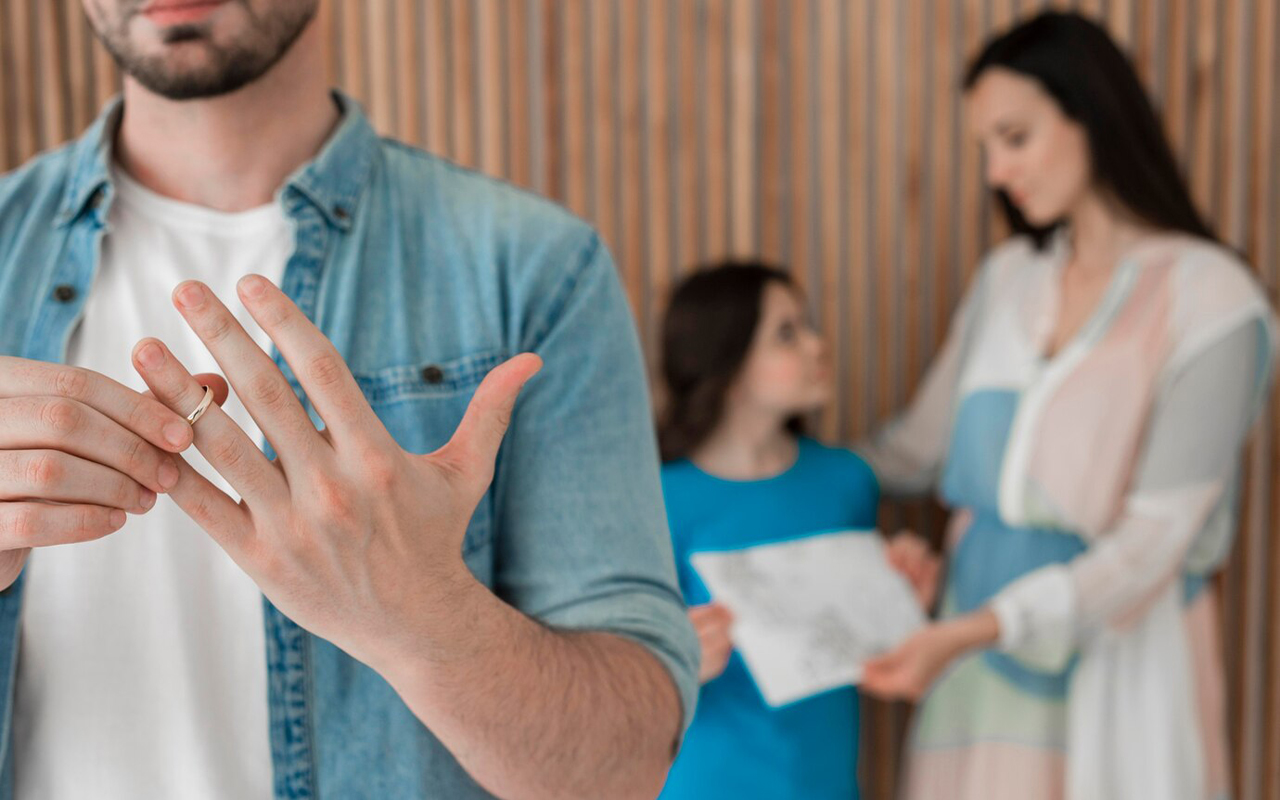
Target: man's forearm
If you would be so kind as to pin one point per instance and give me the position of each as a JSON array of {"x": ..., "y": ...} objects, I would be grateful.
[{"x": 532, "y": 712}]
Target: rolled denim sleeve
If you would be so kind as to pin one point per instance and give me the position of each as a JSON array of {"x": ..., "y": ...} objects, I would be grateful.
[{"x": 582, "y": 540}]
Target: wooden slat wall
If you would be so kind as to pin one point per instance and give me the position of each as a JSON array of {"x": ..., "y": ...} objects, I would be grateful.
[{"x": 826, "y": 134}]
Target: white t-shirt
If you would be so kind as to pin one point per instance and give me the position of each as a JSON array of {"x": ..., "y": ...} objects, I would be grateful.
[{"x": 141, "y": 662}]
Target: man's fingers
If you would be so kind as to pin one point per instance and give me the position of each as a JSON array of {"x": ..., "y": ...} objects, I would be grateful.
[
  {"x": 222, "y": 442},
  {"x": 221, "y": 391},
  {"x": 316, "y": 363},
  {"x": 147, "y": 417},
  {"x": 226, "y": 521},
  {"x": 47, "y": 524},
  {"x": 58, "y": 423},
  {"x": 266, "y": 393},
  {"x": 64, "y": 478},
  {"x": 474, "y": 446}
]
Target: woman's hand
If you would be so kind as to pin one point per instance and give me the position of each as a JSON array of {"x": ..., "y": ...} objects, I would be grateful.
[
  {"x": 911, "y": 555},
  {"x": 908, "y": 672},
  {"x": 712, "y": 623}
]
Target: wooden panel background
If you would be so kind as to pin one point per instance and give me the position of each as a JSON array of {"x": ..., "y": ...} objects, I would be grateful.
[{"x": 825, "y": 134}]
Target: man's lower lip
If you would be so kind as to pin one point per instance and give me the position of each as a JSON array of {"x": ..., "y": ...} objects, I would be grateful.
[{"x": 178, "y": 15}]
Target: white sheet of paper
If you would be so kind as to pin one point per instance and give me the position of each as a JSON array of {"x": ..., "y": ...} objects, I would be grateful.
[{"x": 808, "y": 612}]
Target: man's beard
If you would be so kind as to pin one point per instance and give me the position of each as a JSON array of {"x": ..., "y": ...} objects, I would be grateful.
[{"x": 227, "y": 67}]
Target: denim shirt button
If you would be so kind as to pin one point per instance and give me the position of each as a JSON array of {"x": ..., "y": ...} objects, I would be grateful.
[
  {"x": 341, "y": 213},
  {"x": 64, "y": 293},
  {"x": 432, "y": 374}
]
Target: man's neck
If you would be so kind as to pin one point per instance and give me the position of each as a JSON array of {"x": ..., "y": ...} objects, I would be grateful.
[{"x": 232, "y": 152}]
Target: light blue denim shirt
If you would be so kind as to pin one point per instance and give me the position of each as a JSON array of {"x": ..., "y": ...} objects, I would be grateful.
[{"x": 425, "y": 276}]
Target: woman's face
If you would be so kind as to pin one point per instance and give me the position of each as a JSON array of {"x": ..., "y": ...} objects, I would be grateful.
[
  {"x": 786, "y": 370},
  {"x": 1036, "y": 154}
]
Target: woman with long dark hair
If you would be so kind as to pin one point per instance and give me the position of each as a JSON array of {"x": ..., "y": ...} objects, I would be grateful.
[
  {"x": 741, "y": 365},
  {"x": 1085, "y": 421}
]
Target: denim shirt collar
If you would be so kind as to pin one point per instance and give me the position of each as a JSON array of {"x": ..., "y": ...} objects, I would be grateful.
[{"x": 333, "y": 181}]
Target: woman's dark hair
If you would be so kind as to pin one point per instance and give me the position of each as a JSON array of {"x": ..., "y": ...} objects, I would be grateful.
[
  {"x": 1079, "y": 65},
  {"x": 706, "y": 335}
]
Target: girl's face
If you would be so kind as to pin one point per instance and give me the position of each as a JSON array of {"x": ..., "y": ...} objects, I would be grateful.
[
  {"x": 786, "y": 370},
  {"x": 1035, "y": 153}
]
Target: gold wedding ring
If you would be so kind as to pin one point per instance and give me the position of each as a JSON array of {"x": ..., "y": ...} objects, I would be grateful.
[{"x": 205, "y": 402}]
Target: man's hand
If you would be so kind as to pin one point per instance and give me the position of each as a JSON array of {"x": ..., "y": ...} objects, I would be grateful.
[
  {"x": 348, "y": 534},
  {"x": 77, "y": 451}
]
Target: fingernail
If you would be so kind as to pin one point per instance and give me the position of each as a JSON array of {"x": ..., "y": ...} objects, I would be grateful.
[
  {"x": 147, "y": 499},
  {"x": 151, "y": 356},
  {"x": 168, "y": 475},
  {"x": 191, "y": 296},
  {"x": 117, "y": 519},
  {"x": 253, "y": 285},
  {"x": 177, "y": 433}
]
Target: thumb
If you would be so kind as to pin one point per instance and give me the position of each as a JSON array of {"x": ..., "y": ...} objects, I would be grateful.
[{"x": 474, "y": 446}]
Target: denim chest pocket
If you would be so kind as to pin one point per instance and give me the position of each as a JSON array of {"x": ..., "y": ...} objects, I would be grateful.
[{"x": 421, "y": 404}]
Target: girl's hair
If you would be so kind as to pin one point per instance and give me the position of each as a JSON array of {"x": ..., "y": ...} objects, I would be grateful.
[
  {"x": 1079, "y": 65},
  {"x": 706, "y": 335}
]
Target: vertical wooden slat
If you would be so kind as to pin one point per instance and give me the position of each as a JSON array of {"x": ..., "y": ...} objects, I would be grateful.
[
  {"x": 408, "y": 79},
  {"x": 487, "y": 64},
  {"x": 741, "y": 173},
  {"x": 1145, "y": 45},
  {"x": 435, "y": 88},
  {"x": 1260, "y": 211},
  {"x": 518, "y": 145},
  {"x": 465, "y": 109},
  {"x": 1090, "y": 8},
  {"x": 1179, "y": 79},
  {"x": 353, "y": 20},
  {"x": 627, "y": 197},
  {"x": 687, "y": 172},
  {"x": 79, "y": 66},
  {"x": 603, "y": 133},
  {"x": 1002, "y": 13},
  {"x": 8, "y": 114},
  {"x": 773, "y": 193},
  {"x": 1263, "y": 209},
  {"x": 573, "y": 136},
  {"x": 1204, "y": 105},
  {"x": 1120, "y": 22},
  {"x": 715, "y": 130},
  {"x": 553, "y": 113},
  {"x": 26, "y": 104},
  {"x": 946, "y": 85},
  {"x": 971, "y": 187},
  {"x": 886, "y": 185},
  {"x": 657, "y": 143},
  {"x": 1233, "y": 147},
  {"x": 328, "y": 35},
  {"x": 800, "y": 118},
  {"x": 50, "y": 66},
  {"x": 828, "y": 298},
  {"x": 911, "y": 186},
  {"x": 381, "y": 99},
  {"x": 853, "y": 175}
]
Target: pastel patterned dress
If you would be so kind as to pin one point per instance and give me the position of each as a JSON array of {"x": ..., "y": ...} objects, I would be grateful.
[{"x": 1094, "y": 492}]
